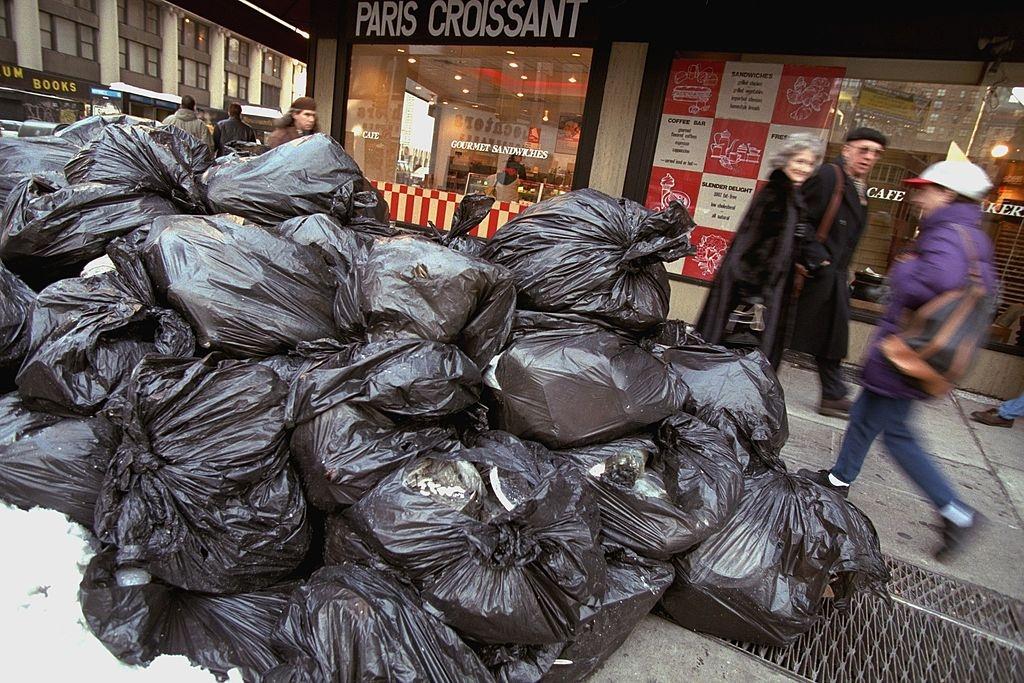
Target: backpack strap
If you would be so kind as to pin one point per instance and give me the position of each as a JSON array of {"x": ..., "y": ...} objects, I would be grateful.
[{"x": 829, "y": 216}]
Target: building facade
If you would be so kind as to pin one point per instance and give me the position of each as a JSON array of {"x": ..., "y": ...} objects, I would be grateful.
[{"x": 146, "y": 49}]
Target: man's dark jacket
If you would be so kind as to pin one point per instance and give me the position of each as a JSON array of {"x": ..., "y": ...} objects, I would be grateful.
[
  {"x": 758, "y": 265},
  {"x": 821, "y": 326},
  {"x": 231, "y": 130}
]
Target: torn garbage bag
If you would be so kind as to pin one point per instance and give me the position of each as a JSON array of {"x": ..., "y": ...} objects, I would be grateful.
[
  {"x": 88, "y": 333},
  {"x": 738, "y": 394},
  {"x": 51, "y": 461},
  {"x": 246, "y": 291},
  {"x": 355, "y": 623},
  {"x": 200, "y": 493},
  {"x": 312, "y": 174},
  {"x": 415, "y": 288},
  {"x": 568, "y": 382},
  {"x": 402, "y": 378},
  {"x": 50, "y": 229},
  {"x": 344, "y": 249},
  {"x": 165, "y": 161},
  {"x": 496, "y": 538},
  {"x": 762, "y": 577},
  {"x": 660, "y": 500},
  {"x": 138, "y": 619},
  {"x": 15, "y": 314},
  {"x": 585, "y": 252}
]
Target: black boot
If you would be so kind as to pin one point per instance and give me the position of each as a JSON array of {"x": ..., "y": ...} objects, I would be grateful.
[{"x": 956, "y": 537}]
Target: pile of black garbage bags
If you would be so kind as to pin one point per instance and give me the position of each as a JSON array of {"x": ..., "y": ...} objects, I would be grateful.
[{"x": 318, "y": 447}]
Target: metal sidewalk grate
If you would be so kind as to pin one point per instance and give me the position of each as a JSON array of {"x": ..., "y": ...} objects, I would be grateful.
[{"x": 953, "y": 631}]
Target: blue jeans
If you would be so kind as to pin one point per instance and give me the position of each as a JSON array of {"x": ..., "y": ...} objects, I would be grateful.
[
  {"x": 1012, "y": 409},
  {"x": 872, "y": 414}
]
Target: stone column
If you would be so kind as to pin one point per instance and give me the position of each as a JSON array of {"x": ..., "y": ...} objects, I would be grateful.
[
  {"x": 169, "y": 17},
  {"x": 25, "y": 31},
  {"x": 287, "y": 74},
  {"x": 217, "y": 39},
  {"x": 108, "y": 46},
  {"x": 255, "y": 74}
]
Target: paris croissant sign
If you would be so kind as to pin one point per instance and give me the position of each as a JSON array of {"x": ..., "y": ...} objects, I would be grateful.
[{"x": 492, "y": 21}]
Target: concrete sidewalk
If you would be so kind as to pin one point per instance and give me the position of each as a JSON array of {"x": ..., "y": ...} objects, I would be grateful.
[{"x": 986, "y": 465}]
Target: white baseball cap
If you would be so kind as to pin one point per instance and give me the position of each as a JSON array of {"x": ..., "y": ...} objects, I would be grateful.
[{"x": 962, "y": 177}]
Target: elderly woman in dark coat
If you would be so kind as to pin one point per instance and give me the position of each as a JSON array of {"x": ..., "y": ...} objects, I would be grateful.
[{"x": 758, "y": 268}]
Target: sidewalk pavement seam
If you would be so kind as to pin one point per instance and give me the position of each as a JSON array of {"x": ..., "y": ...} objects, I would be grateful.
[{"x": 984, "y": 455}]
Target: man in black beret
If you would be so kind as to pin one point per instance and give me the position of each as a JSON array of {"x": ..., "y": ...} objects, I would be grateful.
[{"x": 836, "y": 198}]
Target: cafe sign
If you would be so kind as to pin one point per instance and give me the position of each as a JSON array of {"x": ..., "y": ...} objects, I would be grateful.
[{"x": 18, "y": 77}]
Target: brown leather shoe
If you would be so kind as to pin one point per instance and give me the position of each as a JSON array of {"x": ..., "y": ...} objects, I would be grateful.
[
  {"x": 839, "y": 407},
  {"x": 991, "y": 418}
]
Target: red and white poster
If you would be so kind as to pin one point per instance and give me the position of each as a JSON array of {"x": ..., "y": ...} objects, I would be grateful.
[{"x": 721, "y": 124}]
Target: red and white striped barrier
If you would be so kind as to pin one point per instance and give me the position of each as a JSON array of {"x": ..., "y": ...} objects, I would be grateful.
[{"x": 417, "y": 205}]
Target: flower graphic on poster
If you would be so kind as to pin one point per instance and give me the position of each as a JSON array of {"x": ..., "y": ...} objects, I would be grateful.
[
  {"x": 694, "y": 86},
  {"x": 730, "y": 153},
  {"x": 668, "y": 194},
  {"x": 710, "y": 252},
  {"x": 810, "y": 97}
]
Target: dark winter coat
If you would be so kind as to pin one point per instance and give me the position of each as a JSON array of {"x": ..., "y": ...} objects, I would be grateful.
[
  {"x": 939, "y": 263},
  {"x": 231, "y": 130},
  {"x": 758, "y": 265},
  {"x": 822, "y": 322},
  {"x": 281, "y": 135}
]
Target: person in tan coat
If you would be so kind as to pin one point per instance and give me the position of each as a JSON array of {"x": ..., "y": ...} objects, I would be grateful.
[
  {"x": 187, "y": 120},
  {"x": 299, "y": 120}
]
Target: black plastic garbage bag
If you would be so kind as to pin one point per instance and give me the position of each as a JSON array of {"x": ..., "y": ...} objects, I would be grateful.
[
  {"x": 200, "y": 493},
  {"x": 312, "y": 174},
  {"x": 343, "y": 452},
  {"x": 585, "y": 252},
  {"x": 634, "y": 586},
  {"x": 246, "y": 292},
  {"x": 416, "y": 288},
  {"x": 402, "y": 378},
  {"x": 354, "y": 623},
  {"x": 51, "y": 461},
  {"x": 345, "y": 249},
  {"x": 50, "y": 230},
  {"x": 496, "y": 538},
  {"x": 738, "y": 394},
  {"x": 470, "y": 212},
  {"x": 661, "y": 500},
  {"x": 165, "y": 161},
  {"x": 15, "y": 314},
  {"x": 243, "y": 148},
  {"x": 86, "y": 130},
  {"x": 88, "y": 333},
  {"x": 762, "y": 578},
  {"x": 36, "y": 154},
  {"x": 677, "y": 333},
  {"x": 218, "y": 632},
  {"x": 568, "y": 382}
]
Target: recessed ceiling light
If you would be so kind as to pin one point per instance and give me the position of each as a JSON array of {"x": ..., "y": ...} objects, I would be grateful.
[
  {"x": 519, "y": 94},
  {"x": 444, "y": 101},
  {"x": 412, "y": 60},
  {"x": 476, "y": 106},
  {"x": 523, "y": 77},
  {"x": 513, "y": 65},
  {"x": 510, "y": 52},
  {"x": 419, "y": 88},
  {"x": 575, "y": 54},
  {"x": 572, "y": 79},
  {"x": 401, "y": 50},
  {"x": 458, "y": 77},
  {"x": 454, "y": 107},
  {"x": 465, "y": 91}
]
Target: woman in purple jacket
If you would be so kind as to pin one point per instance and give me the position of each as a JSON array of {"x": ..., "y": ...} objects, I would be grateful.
[{"x": 948, "y": 194}]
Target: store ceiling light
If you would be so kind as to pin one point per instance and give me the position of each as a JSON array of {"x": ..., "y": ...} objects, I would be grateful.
[
  {"x": 419, "y": 88},
  {"x": 476, "y": 106},
  {"x": 510, "y": 52},
  {"x": 524, "y": 77},
  {"x": 575, "y": 54},
  {"x": 1000, "y": 151},
  {"x": 444, "y": 101},
  {"x": 519, "y": 94},
  {"x": 513, "y": 65},
  {"x": 401, "y": 50},
  {"x": 458, "y": 77},
  {"x": 465, "y": 91},
  {"x": 572, "y": 79},
  {"x": 412, "y": 60}
]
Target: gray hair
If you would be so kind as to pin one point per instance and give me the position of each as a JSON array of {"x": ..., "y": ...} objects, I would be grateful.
[{"x": 793, "y": 145}]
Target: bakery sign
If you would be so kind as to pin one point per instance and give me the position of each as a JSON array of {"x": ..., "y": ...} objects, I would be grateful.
[{"x": 490, "y": 21}]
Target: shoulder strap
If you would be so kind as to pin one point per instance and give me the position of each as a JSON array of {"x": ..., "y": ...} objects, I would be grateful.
[
  {"x": 833, "y": 205},
  {"x": 973, "y": 269}
]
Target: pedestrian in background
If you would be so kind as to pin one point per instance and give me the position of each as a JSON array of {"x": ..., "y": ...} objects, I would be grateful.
[
  {"x": 232, "y": 129},
  {"x": 758, "y": 268},
  {"x": 822, "y": 322},
  {"x": 299, "y": 120},
  {"x": 187, "y": 120},
  {"x": 1002, "y": 415},
  {"x": 949, "y": 195}
]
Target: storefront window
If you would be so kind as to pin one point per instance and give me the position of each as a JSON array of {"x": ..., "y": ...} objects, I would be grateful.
[
  {"x": 461, "y": 119},
  {"x": 929, "y": 122}
]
